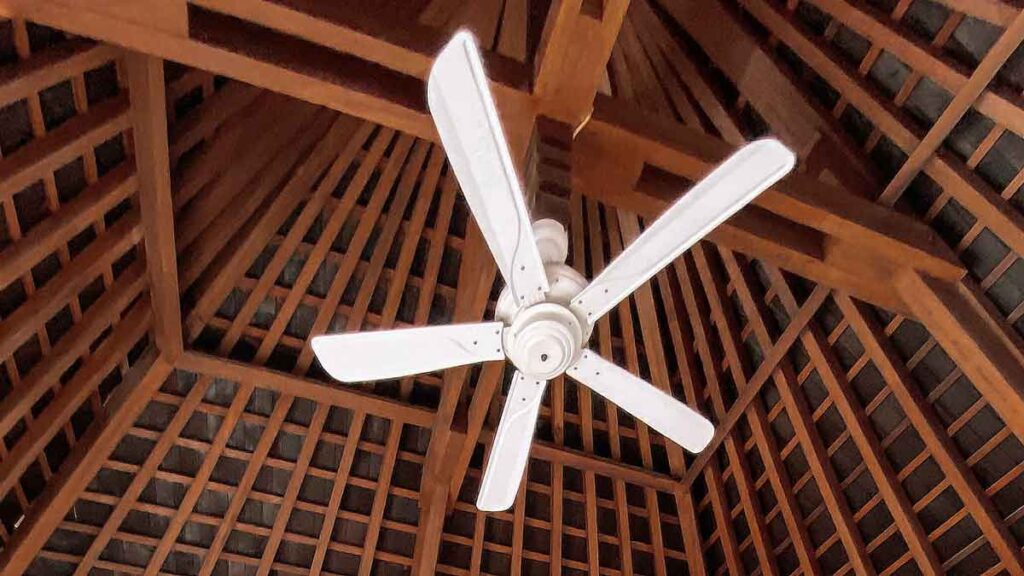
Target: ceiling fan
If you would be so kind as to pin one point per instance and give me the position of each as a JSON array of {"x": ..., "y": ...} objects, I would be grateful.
[{"x": 547, "y": 310}]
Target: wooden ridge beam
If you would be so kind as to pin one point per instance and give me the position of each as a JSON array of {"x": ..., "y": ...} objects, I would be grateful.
[
  {"x": 364, "y": 30},
  {"x": 152, "y": 161},
  {"x": 477, "y": 271}
]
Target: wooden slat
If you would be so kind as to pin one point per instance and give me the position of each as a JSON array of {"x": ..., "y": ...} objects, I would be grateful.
[
  {"x": 146, "y": 376},
  {"x": 772, "y": 357},
  {"x": 263, "y": 446},
  {"x": 337, "y": 491},
  {"x": 988, "y": 351},
  {"x": 803, "y": 424},
  {"x": 73, "y": 217},
  {"x": 291, "y": 492},
  {"x": 85, "y": 381},
  {"x": 737, "y": 455},
  {"x": 924, "y": 419},
  {"x": 967, "y": 96},
  {"x": 867, "y": 442},
  {"x": 777, "y": 473},
  {"x": 275, "y": 215},
  {"x": 67, "y": 284}
]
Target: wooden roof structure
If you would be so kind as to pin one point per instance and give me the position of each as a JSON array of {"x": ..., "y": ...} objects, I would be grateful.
[{"x": 191, "y": 189}]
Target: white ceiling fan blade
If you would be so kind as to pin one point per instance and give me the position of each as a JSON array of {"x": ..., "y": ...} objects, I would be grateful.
[
  {"x": 728, "y": 188},
  {"x": 460, "y": 101},
  {"x": 386, "y": 354},
  {"x": 510, "y": 448},
  {"x": 673, "y": 419}
]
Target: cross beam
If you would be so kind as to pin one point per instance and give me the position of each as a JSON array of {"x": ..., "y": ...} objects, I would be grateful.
[{"x": 641, "y": 163}]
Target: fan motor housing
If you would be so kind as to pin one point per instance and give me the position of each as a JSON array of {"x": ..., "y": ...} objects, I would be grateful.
[{"x": 545, "y": 338}]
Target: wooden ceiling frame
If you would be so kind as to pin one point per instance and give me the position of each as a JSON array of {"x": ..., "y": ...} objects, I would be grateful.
[{"x": 934, "y": 274}]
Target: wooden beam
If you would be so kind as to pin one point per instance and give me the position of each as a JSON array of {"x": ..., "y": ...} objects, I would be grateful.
[
  {"x": 988, "y": 351},
  {"x": 641, "y": 163},
  {"x": 477, "y": 271},
  {"x": 305, "y": 388},
  {"x": 253, "y": 54},
  {"x": 131, "y": 397},
  {"x": 152, "y": 161},
  {"x": 690, "y": 154},
  {"x": 573, "y": 54}
]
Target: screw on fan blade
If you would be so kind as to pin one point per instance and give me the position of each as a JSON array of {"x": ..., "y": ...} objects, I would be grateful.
[
  {"x": 387, "y": 354},
  {"x": 728, "y": 188},
  {"x": 673, "y": 419},
  {"x": 510, "y": 448},
  {"x": 467, "y": 121}
]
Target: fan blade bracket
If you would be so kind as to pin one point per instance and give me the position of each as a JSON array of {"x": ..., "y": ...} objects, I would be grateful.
[{"x": 510, "y": 448}]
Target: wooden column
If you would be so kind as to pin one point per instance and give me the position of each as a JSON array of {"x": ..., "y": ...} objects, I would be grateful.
[{"x": 152, "y": 161}]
